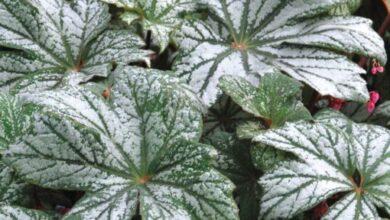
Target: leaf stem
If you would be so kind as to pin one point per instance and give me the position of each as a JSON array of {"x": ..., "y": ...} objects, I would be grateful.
[{"x": 148, "y": 39}]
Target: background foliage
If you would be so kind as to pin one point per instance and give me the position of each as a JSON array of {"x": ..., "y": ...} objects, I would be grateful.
[{"x": 183, "y": 109}]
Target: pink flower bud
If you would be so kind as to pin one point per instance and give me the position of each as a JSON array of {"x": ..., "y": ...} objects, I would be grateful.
[
  {"x": 370, "y": 106},
  {"x": 380, "y": 69},
  {"x": 374, "y": 97},
  {"x": 336, "y": 104},
  {"x": 374, "y": 70}
]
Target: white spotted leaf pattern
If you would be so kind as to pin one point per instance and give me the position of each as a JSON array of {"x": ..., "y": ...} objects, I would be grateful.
[
  {"x": 12, "y": 190},
  {"x": 15, "y": 119},
  {"x": 337, "y": 156},
  {"x": 58, "y": 42},
  {"x": 249, "y": 38},
  {"x": 139, "y": 153}
]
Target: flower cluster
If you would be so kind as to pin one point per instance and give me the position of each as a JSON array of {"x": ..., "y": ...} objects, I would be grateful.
[
  {"x": 337, "y": 104},
  {"x": 376, "y": 67}
]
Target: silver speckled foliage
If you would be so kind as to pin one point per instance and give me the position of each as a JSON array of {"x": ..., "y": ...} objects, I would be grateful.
[
  {"x": 14, "y": 122},
  {"x": 337, "y": 156},
  {"x": 60, "y": 42},
  {"x": 161, "y": 17},
  {"x": 141, "y": 151},
  {"x": 10, "y": 191},
  {"x": 193, "y": 110},
  {"x": 249, "y": 38}
]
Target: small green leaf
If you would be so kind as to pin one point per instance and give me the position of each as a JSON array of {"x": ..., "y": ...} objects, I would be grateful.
[
  {"x": 276, "y": 99},
  {"x": 249, "y": 38},
  {"x": 224, "y": 115},
  {"x": 129, "y": 17},
  {"x": 248, "y": 130},
  {"x": 234, "y": 161},
  {"x": 336, "y": 155},
  {"x": 59, "y": 42},
  {"x": 266, "y": 158},
  {"x": 161, "y": 17},
  {"x": 139, "y": 153},
  {"x": 347, "y": 8}
]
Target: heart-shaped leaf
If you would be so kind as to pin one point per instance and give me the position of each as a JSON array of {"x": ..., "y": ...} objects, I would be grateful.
[
  {"x": 140, "y": 153},
  {"x": 161, "y": 17},
  {"x": 249, "y": 38},
  {"x": 336, "y": 155},
  {"x": 57, "y": 40},
  {"x": 276, "y": 100}
]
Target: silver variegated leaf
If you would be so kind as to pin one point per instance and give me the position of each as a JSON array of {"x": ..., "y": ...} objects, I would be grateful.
[
  {"x": 249, "y": 38},
  {"x": 347, "y": 8},
  {"x": 11, "y": 190},
  {"x": 381, "y": 115},
  {"x": 60, "y": 42},
  {"x": 8, "y": 212},
  {"x": 161, "y": 17},
  {"x": 336, "y": 155},
  {"x": 276, "y": 99},
  {"x": 15, "y": 119},
  {"x": 139, "y": 153},
  {"x": 121, "y": 3}
]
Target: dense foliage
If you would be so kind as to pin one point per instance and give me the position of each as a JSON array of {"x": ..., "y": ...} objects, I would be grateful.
[{"x": 194, "y": 109}]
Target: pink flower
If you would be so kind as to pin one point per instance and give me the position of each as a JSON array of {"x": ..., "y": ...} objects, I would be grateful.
[
  {"x": 376, "y": 67},
  {"x": 374, "y": 70},
  {"x": 370, "y": 106},
  {"x": 374, "y": 98}
]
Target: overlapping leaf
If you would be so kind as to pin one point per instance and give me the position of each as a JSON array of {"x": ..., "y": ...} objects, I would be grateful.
[
  {"x": 234, "y": 161},
  {"x": 56, "y": 39},
  {"x": 224, "y": 115},
  {"x": 161, "y": 17},
  {"x": 347, "y": 8},
  {"x": 266, "y": 158},
  {"x": 381, "y": 115},
  {"x": 11, "y": 190},
  {"x": 276, "y": 99},
  {"x": 249, "y": 38},
  {"x": 337, "y": 156},
  {"x": 140, "y": 153}
]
